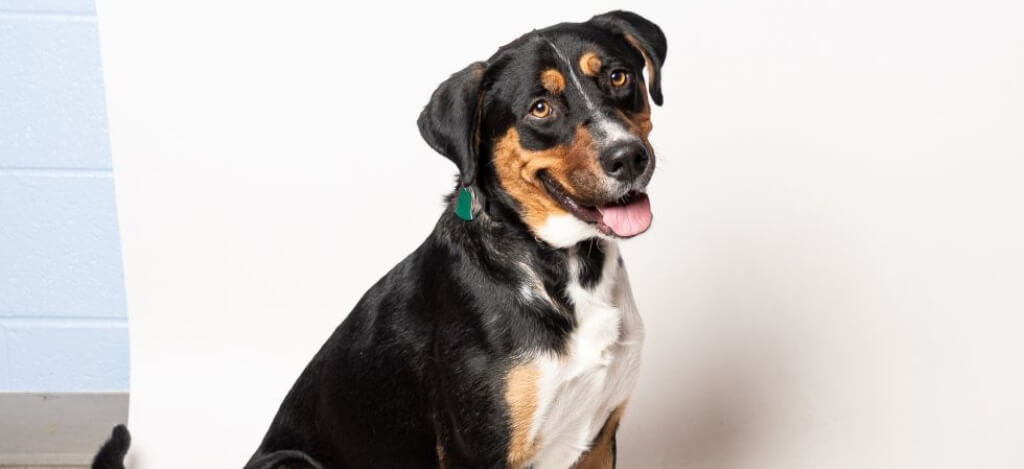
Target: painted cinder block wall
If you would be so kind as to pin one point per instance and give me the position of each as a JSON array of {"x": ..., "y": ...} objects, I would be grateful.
[{"x": 63, "y": 324}]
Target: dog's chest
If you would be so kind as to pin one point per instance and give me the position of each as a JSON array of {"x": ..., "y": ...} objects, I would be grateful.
[{"x": 578, "y": 390}]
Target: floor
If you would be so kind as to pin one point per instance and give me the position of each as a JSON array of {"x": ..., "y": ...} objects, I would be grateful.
[{"x": 56, "y": 430}]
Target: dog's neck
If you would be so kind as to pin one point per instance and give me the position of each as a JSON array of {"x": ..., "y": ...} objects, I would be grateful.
[
  {"x": 498, "y": 239},
  {"x": 517, "y": 272},
  {"x": 498, "y": 211}
]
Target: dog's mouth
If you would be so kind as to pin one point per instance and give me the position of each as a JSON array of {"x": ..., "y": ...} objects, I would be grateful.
[{"x": 624, "y": 217}]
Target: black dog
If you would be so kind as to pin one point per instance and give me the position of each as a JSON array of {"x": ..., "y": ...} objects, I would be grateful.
[{"x": 509, "y": 338}]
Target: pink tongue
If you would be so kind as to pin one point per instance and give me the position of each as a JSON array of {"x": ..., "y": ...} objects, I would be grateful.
[{"x": 630, "y": 219}]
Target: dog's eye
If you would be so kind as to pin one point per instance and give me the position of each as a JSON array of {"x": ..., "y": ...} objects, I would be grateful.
[
  {"x": 540, "y": 109},
  {"x": 619, "y": 78}
]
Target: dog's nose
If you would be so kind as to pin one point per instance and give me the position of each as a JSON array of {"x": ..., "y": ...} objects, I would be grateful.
[{"x": 625, "y": 161}]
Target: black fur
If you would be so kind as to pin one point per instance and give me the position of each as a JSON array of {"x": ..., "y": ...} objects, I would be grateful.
[
  {"x": 449, "y": 122},
  {"x": 419, "y": 360},
  {"x": 111, "y": 454},
  {"x": 417, "y": 368}
]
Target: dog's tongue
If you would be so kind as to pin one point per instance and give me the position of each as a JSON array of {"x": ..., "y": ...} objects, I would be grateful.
[{"x": 630, "y": 219}]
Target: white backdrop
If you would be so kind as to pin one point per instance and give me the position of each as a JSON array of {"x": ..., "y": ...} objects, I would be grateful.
[{"x": 833, "y": 279}]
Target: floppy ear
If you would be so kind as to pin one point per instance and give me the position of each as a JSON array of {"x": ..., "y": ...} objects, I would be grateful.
[
  {"x": 450, "y": 121},
  {"x": 645, "y": 36}
]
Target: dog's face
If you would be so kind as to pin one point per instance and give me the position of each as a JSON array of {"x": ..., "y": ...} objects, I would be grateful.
[{"x": 557, "y": 122}]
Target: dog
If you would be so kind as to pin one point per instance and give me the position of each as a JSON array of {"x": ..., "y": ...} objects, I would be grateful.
[{"x": 510, "y": 337}]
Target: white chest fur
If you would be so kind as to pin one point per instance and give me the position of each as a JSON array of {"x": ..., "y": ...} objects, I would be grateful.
[{"x": 577, "y": 391}]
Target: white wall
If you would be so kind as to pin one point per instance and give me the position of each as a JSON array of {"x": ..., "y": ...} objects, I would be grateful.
[
  {"x": 63, "y": 324},
  {"x": 833, "y": 278}
]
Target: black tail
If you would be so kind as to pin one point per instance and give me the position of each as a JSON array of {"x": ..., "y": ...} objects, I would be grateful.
[
  {"x": 277, "y": 458},
  {"x": 111, "y": 455}
]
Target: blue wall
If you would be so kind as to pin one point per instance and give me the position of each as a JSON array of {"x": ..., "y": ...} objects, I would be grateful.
[{"x": 63, "y": 325}]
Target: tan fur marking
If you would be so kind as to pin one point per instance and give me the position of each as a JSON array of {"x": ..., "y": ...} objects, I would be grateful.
[
  {"x": 575, "y": 167},
  {"x": 521, "y": 387},
  {"x": 638, "y": 123},
  {"x": 590, "y": 63},
  {"x": 601, "y": 455},
  {"x": 552, "y": 80}
]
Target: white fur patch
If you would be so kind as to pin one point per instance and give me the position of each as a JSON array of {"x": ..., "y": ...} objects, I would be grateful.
[
  {"x": 562, "y": 231},
  {"x": 612, "y": 131},
  {"x": 578, "y": 391},
  {"x": 533, "y": 287}
]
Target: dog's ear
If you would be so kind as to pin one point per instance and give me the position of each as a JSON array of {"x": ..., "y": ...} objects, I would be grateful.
[
  {"x": 450, "y": 122},
  {"x": 645, "y": 36}
]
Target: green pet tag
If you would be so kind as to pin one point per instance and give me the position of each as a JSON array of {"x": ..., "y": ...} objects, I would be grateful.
[{"x": 464, "y": 205}]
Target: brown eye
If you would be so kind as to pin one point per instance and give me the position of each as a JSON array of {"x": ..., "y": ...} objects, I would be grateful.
[
  {"x": 619, "y": 78},
  {"x": 540, "y": 109}
]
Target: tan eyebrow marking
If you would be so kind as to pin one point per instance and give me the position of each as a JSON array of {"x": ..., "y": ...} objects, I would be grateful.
[
  {"x": 553, "y": 80},
  {"x": 575, "y": 79},
  {"x": 590, "y": 63}
]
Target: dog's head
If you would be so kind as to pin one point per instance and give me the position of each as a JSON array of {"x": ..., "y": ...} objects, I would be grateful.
[{"x": 554, "y": 125}]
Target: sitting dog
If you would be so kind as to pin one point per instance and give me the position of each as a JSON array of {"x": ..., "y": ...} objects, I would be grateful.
[{"x": 509, "y": 338}]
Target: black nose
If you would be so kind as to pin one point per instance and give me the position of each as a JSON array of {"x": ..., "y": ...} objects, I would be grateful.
[{"x": 625, "y": 161}]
